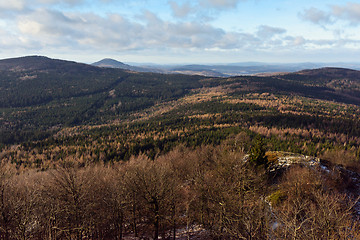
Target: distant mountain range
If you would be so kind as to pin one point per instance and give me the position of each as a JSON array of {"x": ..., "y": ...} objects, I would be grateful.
[{"x": 223, "y": 70}]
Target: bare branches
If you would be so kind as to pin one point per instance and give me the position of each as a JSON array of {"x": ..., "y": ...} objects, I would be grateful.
[{"x": 211, "y": 189}]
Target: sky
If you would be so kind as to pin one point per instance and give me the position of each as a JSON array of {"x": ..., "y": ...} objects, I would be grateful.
[{"x": 182, "y": 31}]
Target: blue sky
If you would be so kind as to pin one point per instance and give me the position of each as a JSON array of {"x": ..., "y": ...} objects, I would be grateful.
[{"x": 182, "y": 31}]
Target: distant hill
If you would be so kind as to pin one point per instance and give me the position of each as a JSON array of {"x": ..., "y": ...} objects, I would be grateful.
[
  {"x": 336, "y": 84},
  {"x": 331, "y": 73},
  {"x": 108, "y": 62},
  {"x": 33, "y": 80},
  {"x": 35, "y": 63},
  {"x": 223, "y": 70},
  {"x": 238, "y": 69},
  {"x": 203, "y": 71},
  {"x": 343, "y": 84},
  {"x": 250, "y": 68},
  {"x": 112, "y": 63},
  {"x": 187, "y": 70}
]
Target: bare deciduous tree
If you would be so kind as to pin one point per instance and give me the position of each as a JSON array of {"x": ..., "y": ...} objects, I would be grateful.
[{"x": 154, "y": 186}]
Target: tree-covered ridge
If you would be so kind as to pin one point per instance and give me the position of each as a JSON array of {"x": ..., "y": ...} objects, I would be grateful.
[
  {"x": 39, "y": 95},
  {"x": 338, "y": 78},
  {"x": 298, "y": 84},
  {"x": 32, "y": 81}
]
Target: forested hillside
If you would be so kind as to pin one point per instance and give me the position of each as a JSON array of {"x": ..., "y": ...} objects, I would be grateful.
[
  {"x": 114, "y": 114},
  {"x": 39, "y": 95},
  {"x": 150, "y": 155}
]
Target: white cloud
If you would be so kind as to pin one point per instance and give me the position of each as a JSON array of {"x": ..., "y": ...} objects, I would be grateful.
[
  {"x": 53, "y": 29},
  {"x": 13, "y": 43},
  {"x": 316, "y": 16},
  {"x": 205, "y": 10},
  {"x": 12, "y": 5},
  {"x": 114, "y": 31},
  {"x": 350, "y": 12},
  {"x": 266, "y": 32},
  {"x": 296, "y": 42},
  {"x": 299, "y": 41},
  {"x": 179, "y": 10},
  {"x": 29, "y": 27}
]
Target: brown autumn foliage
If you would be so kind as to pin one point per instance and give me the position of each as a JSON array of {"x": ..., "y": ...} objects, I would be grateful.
[
  {"x": 211, "y": 189},
  {"x": 342, "y": 157},
  {"x": 310, "y": 209}
]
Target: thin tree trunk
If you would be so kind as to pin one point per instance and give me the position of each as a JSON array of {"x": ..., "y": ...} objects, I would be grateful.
[
  {"x": 121, "y": 226},
  {"x": 174, "y": 222},
  {"x": 134, "y": 218},
  {"x": 156, "y": 222}
]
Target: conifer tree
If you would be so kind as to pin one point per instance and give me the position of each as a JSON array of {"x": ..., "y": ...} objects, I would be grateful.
[{"x": 257, "y": 153}]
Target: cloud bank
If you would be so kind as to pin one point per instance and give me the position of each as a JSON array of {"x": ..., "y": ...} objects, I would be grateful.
[{"x": 58, "y": 26}]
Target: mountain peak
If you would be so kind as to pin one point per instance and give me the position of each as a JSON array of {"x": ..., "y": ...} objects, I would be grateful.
[{"x": 111, "y": 63}]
